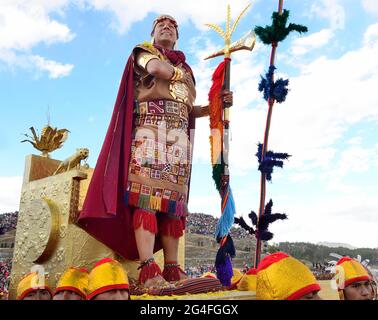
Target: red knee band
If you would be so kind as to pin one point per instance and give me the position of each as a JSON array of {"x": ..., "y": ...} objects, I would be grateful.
[
  {"x": 145, "y": 219},
  {"x": 171, "y": 227}
]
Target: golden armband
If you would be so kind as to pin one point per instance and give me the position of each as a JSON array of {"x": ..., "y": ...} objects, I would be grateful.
[
  {"x": 145, "y": 58},
  {"x": 177, "y": 74}
]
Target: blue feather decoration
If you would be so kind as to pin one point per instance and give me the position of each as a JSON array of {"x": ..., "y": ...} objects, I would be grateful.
[
  {"x": 227, "y": 218},
  {"x": 270, "y": 161},
  {"x": 276, "y": 90}
]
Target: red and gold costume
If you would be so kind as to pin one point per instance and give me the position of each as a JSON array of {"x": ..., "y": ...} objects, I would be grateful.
[
  {"x": 32, "y": 282},
  {"x": 281, "y": 277},
  {"x": 159, "y": 168},
  {"x": 143, "y": 171}
]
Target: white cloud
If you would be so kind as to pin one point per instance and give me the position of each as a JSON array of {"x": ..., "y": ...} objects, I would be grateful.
[
  {"x": 23, "y": 28},
  {"x": 36, "y": 64},
  {"x": 371, "y": 34},
  {"x": 333, "y": 11},
  {"x": 371, "y": 6},
  {"x": 351, "y": 220},
  {"x": 10, "y": 191},
  {"x": 55, "y": 69},
  {"x": 315, "y": 40},
  {"x": 355, "y": 141},
  {"x": 24, "y": 25},
  {"x": 129, "y": 12}
]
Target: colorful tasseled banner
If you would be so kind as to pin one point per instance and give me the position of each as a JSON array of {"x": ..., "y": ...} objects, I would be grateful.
[
  {"x": 216, "y": 123},
  {"x": 227, "y": 250}
]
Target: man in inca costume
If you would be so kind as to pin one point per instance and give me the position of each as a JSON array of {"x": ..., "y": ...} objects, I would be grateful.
[{"x": 137, "y": 200}]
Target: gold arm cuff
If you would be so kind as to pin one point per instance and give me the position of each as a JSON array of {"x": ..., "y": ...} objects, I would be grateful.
[
  {"x": 145, "y": 58},
  {"x": 177, "y": 74}
]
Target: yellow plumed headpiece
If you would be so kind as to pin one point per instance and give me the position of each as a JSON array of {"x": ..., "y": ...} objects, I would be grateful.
[
  {"x": 107, "y": 274},
  {"x": 74, "y": 279},
  {"x": 31, "y": 282},
  {"x": 282, "y": 277}
]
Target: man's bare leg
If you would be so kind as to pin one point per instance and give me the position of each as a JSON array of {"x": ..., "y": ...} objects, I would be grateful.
[{"x": 145, "y": 241}]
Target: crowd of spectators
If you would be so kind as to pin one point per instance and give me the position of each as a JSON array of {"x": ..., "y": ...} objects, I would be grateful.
[
  {"x": 205, "y": 224},
  {"x": 321, "y": 271},
  {"x": 8, "y": 221},
  {"x": 5, "y": 269},
  {"x": 197, "y": 271}
]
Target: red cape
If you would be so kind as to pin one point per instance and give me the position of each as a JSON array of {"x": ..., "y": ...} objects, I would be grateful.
[{"x": 104, "y": 214}]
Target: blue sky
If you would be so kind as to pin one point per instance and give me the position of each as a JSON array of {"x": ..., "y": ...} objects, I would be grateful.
[{"x": 68, "y": 56}]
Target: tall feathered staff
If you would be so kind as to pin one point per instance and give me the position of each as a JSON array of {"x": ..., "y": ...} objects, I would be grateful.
[
  {"x": 219, "y": 141},
  {"x": 274, "y": 91}
]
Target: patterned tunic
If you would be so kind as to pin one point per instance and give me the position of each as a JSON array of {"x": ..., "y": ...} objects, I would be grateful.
[{"x": 161, "y": 152}]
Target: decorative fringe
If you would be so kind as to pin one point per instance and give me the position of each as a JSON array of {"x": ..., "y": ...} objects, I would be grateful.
[
  {"x": 227, "y": 218},
  {"x": 145, "y": 219},
  {"x": 278, "y": 31},
  {"x": 165, "y": 205},
  {"x": 149, "y": 271},
  {"x": 155, "y": 203},
  {"x": 133, "y": 198},
  {"x": 180, "y": 209},
  {"x": 172, "y": 271},
  {"x": 171, "y": 227},
  {"x": 142, "y": 201},
  {"x": 172, "y": 206}
]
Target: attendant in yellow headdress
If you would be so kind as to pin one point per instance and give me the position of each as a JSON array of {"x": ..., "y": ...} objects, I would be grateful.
[
  {"x": 73, "y": 285},
  {"x": 353, "y": 281},
  {"x": 282, "y": 277},
  {"x": 108, "y": 281},
  {"x": 34, "y": 286}
]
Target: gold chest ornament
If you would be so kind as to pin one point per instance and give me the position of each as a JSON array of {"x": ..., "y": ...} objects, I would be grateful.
[{"x": 179, "y": 91}]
